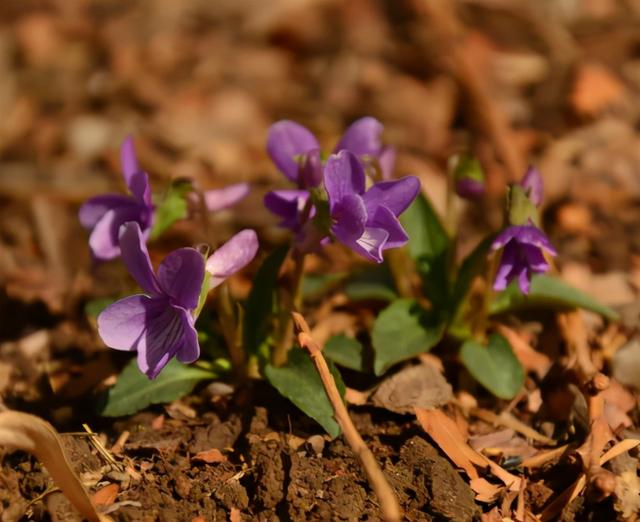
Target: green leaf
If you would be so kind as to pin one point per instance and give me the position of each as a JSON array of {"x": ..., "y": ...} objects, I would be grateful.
[
  {"x": 299, "y": 382},
  {"x": 494, "y": 366},
  {"x": 403, "y": 330},
  {"x": 316, "y": 285},
  {"x": 429, "y": 247},
  {"x": 547, "y": 292},
  {"x": 374, "y": 282},
  {"x": 172, "y": 208},
  {"x": 345, "y": 351},
  {"x": 134, "y": 391},
  {"x": 471, "y": 266},
  {"x": 262, "y": 301}
]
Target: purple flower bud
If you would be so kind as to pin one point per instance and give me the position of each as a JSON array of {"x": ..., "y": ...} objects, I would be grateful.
[
  {"x": 159, "y": 324},
  {"x": 533, "y": 186},
  {"x": 468, "y": 188},
  {"x": 104, "y": 215},
  {"x": 366, "y": 221},
  {"x": 522, "y": 256}
]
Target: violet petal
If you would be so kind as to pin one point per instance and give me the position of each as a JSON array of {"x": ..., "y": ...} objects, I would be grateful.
[
  {"x": 288, "y": 141},
  {"x": 395, "y": 195},
  {"x": 387, "y": 162},
  {"x": 180, "y": 276},
  {"x": 95, "y": 208},
  {"x": 362, "y": 137},
  {"x": 288, "y": 204},
  {"x": 220, "y": 199},
  {"x": 343, "y": 175},
  {"x": 103, "y": 240},
  {"x": 231, "y": 257},
  {"x": 385, "y": 219},
  {"x": 122, "y": 323},
  {"x": 371, "y": 244},
  {"x": 190, "y": 349},
  {"x": 506, "y": 267},
  {"x": 349, "y": 217},
  {"x": 533, "y": 186},
  {"x": 135, "y": 256}
]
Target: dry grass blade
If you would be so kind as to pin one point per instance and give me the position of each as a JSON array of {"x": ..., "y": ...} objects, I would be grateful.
[
  {"x": 30, "y": 433},
  {"x": 540, "y": 459},
  {"x": 619, "y": 449},
  {"x": 507, "y": 420}
]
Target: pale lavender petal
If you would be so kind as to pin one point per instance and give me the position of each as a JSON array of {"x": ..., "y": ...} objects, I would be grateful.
[
  {"x": 289, "y": 205},
  {"x": 349, "y": 217},
  {"x": 162, "y": 339},
  {"x": 287, "y": 142},
  {"x": 371, "y": 244},
  {"x": 531, "y": 235},
  {"x": 95, "y": 208},
  {"x": 387, "y": 162},
  {"x": 180, "y": 276},
  {"x": 533, "y": 186},
  {"x": 395, "y": 195},
  {"x": 220, "y": 199},
  {"x": 343, "y": 175},
  {"x": 506, "y": 268},
  {"x": 103, "y": 241},
  {"x": 384, "y": 219},
  {"x": 122, "y": 323},
  {"x": 524, "y": 280},
  {"x": 362, "y": 137},
  {"x": 135, "y": 256},
  {"x": 190, "y": 349},
  {"x": 231, "y": 257}
]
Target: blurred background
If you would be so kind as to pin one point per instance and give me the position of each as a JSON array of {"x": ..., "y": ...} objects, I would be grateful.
[{"x": 549, "y": 82}]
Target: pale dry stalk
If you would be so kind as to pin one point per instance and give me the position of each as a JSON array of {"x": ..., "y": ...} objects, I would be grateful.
[{"x": 388, "y": 502}]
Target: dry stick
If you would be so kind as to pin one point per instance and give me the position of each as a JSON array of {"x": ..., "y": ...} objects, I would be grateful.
[
  {"x": 449, "y": 32},
  {"x": 388, "y": 501}
]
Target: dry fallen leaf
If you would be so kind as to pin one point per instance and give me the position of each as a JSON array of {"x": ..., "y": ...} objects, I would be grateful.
[
  {"x": 595, "y": 89},
  {"x": 106, "y": 495},
  {"x": 30, "y": 433},
  {"x": 209, "y": 456}
]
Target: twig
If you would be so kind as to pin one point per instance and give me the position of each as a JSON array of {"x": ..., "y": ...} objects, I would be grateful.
[{"x": 388, "y": 501}]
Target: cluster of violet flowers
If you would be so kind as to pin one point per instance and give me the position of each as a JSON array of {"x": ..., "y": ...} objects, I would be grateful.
[
  {"x": 158, "y": 324},
  {"x": 362, "y": 213}
]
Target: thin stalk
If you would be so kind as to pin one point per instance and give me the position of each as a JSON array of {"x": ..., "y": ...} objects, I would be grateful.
[{"x": 230, "y": 330}]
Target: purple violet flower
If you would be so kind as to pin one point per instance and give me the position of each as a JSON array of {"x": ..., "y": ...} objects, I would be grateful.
[
  {"x": 366, "y": 221},
  {"x": 468, "y": 188},
  {"x": 523, "y": 255},
  {"x": 160, "y": 324},
  {"x": 533, "y": 186},
  {"x": 104, "y": 215},
  {"x": 289, "y": 205}
]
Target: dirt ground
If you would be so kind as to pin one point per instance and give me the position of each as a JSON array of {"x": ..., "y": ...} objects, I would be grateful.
[{"x": 553, "y": 83}]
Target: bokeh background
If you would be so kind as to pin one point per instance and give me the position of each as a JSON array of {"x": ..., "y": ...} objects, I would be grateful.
[{"x": 550, "y": 82}]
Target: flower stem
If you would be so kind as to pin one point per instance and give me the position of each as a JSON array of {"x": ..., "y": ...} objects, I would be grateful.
[
  {"x": 290, "y": 301},
  {"x": 230, "y": 327}
]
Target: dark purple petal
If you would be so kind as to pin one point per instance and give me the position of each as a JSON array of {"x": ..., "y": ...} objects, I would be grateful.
[
  {"x": 534, "y": 258},
  {"x": 349, "y": 217},
  {"x": 104, "y": 239},
  {"x": 395, "y": 195},
  {"x": 289, "y": 205},
  {"x": 385, "y": 220},
  {"x": 532, "y": 235},
  {"x": 231, "y": 257},
  {"x": 95, "y": 208},
  {"x": 287, "y": 142},
  {"x": 533, "y": 186},
  {"x": 122, "y": 323},
  {"x": 135, "y": 256},
  {"x": 180, "y": 276},
  {"x": 468, "y": 188},
  {"x": 164, "y": 336},
  {"x": 190, "y": 349},
  {"x": 371, "y": 244},
  {"x": 524, "y": 279},
  {"x": 220, "y": 199},
  {"x": 311, "y": 171},
  {"x": 362, "y": 137},
  {"x": 387, "y": 162},
  {"x": 343, "y": 175}
]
